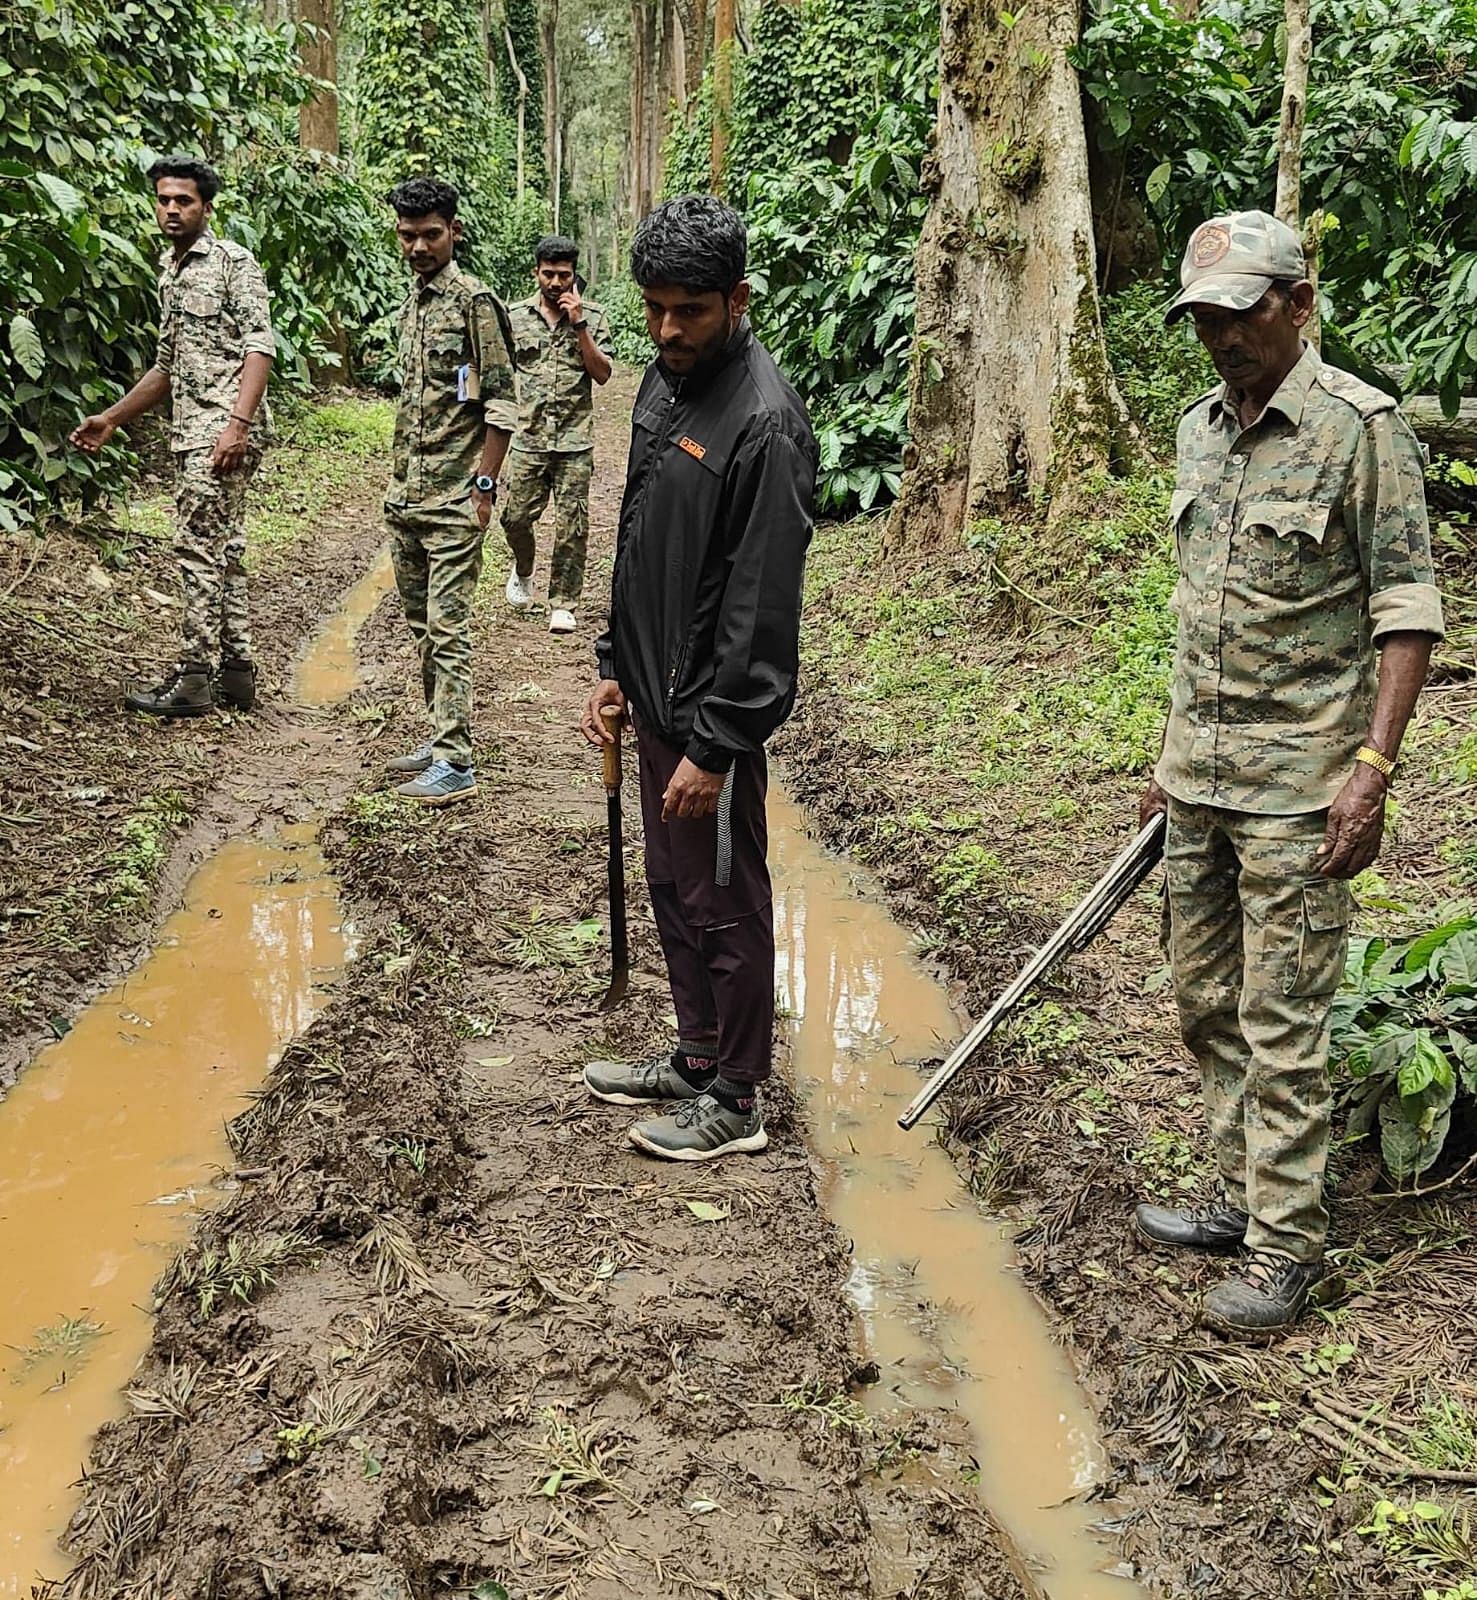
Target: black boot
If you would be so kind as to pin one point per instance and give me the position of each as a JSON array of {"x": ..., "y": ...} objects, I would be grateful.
[
  {"x": 237, "y": 684},
  {"x": 1206, "y": 1228},
  {"x": 1266, "y": 1297},
  {"x": 185, "y": 693}
]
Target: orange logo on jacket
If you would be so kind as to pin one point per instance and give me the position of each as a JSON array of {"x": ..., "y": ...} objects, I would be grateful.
[{"x": 692, "y": 447}]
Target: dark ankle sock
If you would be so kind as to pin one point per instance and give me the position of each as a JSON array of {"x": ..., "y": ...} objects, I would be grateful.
[
  {"x": 699, "y": 1071},
  {"x": 733, "y": 1094}
]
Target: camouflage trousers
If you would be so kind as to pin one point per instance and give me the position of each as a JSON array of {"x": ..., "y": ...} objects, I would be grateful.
[
  {"x": 210, "y": 543},
  {"x": 531, "y": 476},
  {"x": 1257, "y": 941},
  {"x": 438, "y": 558}
]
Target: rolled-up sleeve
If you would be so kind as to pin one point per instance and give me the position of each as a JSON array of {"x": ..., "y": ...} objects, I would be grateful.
[
  {"x": 1389, "y": 493},
  {"x": 601, "y": 335},
  {"x": 252, "y": 307},
  {"x": 499, "y": 386}
]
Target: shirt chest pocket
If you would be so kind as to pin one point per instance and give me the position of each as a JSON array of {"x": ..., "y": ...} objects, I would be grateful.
[
  {"x": 201, "y": 305},
  {"x": 1284, "y": 547},
  {"x": 526, "y": 354},
  {"x": 445, "y": 349}
]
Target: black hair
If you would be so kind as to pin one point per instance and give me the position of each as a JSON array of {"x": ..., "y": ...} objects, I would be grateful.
[
  {"x": 204, "y": 176},
  {"x": 555, "y": 247},
  {"x": 694, "y": 242},
  {"x": 424, "y": 197}
]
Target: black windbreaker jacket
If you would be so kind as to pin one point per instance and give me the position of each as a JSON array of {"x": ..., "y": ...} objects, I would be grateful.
[{"x": 704, "y": 634}]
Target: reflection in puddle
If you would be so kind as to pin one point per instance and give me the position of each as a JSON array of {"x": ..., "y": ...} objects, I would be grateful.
[
  {"x": 947, "y": 1318},
  {"x": 108, "y": 1148},
  {"x": 329, "y": 672}
]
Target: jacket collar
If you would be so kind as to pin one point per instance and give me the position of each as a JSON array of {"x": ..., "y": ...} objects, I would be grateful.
[
  {"x": 441, "y": 281},
  {"x": 1292, "y": 393}
]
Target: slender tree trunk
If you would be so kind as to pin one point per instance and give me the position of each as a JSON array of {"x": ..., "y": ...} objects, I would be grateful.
[
  {"x": 679, "y": 62},
  {"x": 317, "y": 119},
  {"x": 695, "y": 44},
  {"x": 1011, "y": 393},
  {"x": 548, "y": 41},
  {"x": 522, "y": 146},
  {"x": 1289, "y": 203},
  {"x": 1294, "y": 110},
  {"x": 725, "y": 33}
]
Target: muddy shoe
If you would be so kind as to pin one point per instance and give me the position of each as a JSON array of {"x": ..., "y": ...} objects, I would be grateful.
[
  {"x": 186, "y": 693},
  {"x": 416, "y": 761},
  {"x": 1267, "y": 1297},
  {"x": 702, "y": 1130},
  {"x": 519, "y": 592},
  {"x": 644, "y": 1083},
  {"x": 1206, "y": 1228},
  {"x": 441, "y": 784},
  {"x": 236, "y": 685},
  {"x": 561, "y": 620}
]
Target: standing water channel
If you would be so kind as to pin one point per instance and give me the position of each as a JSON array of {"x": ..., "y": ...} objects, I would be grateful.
[
  {"x": 112, "y": 1144},
  {"x": 948, "y": 1319}
]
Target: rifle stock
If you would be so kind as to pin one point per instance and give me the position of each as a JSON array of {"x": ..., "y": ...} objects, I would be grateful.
[{"x": 1087, "y": 919}]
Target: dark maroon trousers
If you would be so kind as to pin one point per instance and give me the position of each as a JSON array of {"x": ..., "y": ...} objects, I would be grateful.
[{"x": 710, "y": 892}]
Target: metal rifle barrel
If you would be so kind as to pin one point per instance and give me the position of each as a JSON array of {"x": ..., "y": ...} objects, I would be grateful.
[{"x": 1087, "y": 919}]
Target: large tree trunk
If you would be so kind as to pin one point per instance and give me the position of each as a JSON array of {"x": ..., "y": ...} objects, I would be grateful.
[
  {"x": 694, "y": 19},
  {"x": 1298, "y": 26},
  {"x": 1011, "y": 393},
  {"x": 317, "y": 119},
  {"x": 725, "y": 43}
]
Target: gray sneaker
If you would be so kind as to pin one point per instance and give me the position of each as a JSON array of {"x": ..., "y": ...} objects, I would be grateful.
[
  {"x": 416, "y": 761},
  {"x": 441, "y": 784},
  {"x": 639, "y": 1083},
  {"x": 702, "y": 1130}
]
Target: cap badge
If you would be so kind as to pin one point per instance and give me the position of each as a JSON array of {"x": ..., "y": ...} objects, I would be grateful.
[{"x": 1209, "y": 245}]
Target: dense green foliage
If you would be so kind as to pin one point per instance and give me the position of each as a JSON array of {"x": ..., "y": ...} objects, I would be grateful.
[
  {"x": 422, "y": 104},
  {"x": 1191, "y": 107},
  {"x": 832, "y": 114},
  {"x": 1405, "y": 1028}
]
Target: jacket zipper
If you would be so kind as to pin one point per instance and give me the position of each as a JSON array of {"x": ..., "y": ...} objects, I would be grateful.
[{"x": 677, "y": 667}]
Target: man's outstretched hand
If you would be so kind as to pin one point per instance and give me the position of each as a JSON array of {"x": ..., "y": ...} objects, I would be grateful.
[
  {"x": 605, "y": 693},
  {"x": 1356, "y": 825},
  {"x": 92, "y": 433}
]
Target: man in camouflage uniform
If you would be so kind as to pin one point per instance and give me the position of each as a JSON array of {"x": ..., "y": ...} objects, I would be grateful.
[
  {"x": 457, "y": 410},
  {"x": 1307, "y": 611},
  {"x": 562, "y": 345},
  {"x": 214, "y": 358}
]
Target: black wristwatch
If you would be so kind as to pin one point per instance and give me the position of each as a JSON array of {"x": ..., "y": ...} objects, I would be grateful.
[
  {"x": 485, "y": 485},
  {"x": 581, "y": 325}
]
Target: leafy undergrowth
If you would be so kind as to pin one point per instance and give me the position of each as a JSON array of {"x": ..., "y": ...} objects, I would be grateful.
[
  {"x": 978, "y": 730},
  {"x": 92, "y": 798}
]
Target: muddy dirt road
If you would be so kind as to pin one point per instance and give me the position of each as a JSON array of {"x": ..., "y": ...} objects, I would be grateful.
[{"x": 439, "y": 1330}]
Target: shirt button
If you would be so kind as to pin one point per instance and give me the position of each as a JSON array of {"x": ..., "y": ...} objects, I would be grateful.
[
  {"x": 1202, "y": 733},
  {"x": 1223, "y": 526},
  {"x": 1238, "y": 461}
]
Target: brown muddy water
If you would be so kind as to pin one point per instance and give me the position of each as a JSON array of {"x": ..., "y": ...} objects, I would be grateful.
[
  {"x": 947, "y": 1317},
  {"x": 112, "y": 1145},
  {"x": 329, "y": 671}
]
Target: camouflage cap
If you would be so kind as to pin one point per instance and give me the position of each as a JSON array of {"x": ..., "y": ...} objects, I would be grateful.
[{"x": 1232, "y": 261}]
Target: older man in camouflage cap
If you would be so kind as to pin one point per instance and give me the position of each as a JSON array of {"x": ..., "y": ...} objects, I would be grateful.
[
  {"x": 1307, "y": 611},
  {"x": 214, "y": 357},
  {"x": 561, "y": 342}
]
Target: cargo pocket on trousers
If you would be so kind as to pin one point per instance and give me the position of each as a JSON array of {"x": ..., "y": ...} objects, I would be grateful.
[{"x": 1322, "y": 939}]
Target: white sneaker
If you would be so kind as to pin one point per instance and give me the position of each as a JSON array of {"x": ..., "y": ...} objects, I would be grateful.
[
  {"x": 561, "y": 621},
  {"x": 520, "y": 589}
]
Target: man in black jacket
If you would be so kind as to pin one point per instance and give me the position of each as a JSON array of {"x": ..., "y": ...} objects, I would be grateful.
[{"x": 702, "y": 653}]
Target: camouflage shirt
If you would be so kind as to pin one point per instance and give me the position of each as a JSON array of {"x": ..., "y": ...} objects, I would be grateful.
[
  {"x": 456, "y": 381},
  {"x": 213, "y": 313},
  {"x": 557, "y": 411},
  {"x": 1302, "y": 540}
]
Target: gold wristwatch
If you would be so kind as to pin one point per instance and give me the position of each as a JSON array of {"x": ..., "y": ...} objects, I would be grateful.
[{"x": 1376, "y": 759}]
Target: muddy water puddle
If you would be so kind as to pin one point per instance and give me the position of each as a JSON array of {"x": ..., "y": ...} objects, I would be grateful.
[
  {"x": 948, "y": 1319},
  {"x": 112, "y": 1144},
  {"x": 329, "y": 670}
]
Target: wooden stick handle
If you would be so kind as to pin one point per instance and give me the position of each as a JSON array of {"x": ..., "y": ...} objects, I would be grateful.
[{"x": 610, "y": 754}]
